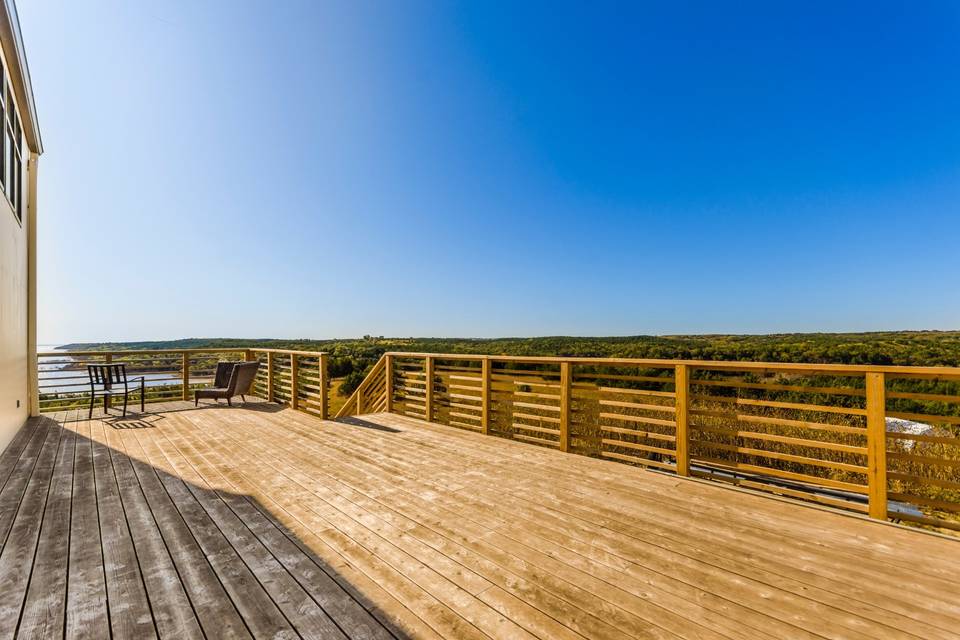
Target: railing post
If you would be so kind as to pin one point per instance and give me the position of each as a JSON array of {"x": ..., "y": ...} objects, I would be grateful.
[
  {"x": 248, "y": 356},
  {"x": 565, "y": 387},
  {"x": 681, "y": 379},
  {"x": 185, "y": 374},
  {"x": 107, "y": 359},
  {"x": 485, "y": 396},
  {"x": 428, "y": 395},
  {"x": 294, "y": 374},
  {"x": 877, "y": 445},
  {"x": 388, "y": 370},
  {"x": 324, "y": 398},
  {"x": 270, "y": 376}
]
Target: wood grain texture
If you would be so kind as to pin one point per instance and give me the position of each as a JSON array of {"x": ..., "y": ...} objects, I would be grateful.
[
  {"x": 877, "y": 445},
  {"x": 792, "y": 429},
  {"x": 261, "y": 521}
]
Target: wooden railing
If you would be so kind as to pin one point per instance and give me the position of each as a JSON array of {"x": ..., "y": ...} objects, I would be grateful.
[
  {"x": 295, "y": 378},
  {"x": 370, "y": 396},
  {"x": 884, "y": 441}
]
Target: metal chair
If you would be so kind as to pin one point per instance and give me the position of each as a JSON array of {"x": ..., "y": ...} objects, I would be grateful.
[{"x": 109, "y": 376}]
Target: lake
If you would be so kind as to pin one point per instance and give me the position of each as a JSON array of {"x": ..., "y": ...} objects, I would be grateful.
[{"x": 76, "y": 381}]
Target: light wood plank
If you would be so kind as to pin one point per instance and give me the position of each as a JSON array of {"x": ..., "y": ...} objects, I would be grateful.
[
  {"x": 254, "y": 521},
  {"x": 130, "y": 612}
]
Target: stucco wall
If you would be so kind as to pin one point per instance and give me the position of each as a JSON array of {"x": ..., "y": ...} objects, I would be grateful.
[{"x": 13, "y": 323}]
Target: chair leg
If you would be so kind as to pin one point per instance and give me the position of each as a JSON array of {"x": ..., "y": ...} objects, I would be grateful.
[
  {"x": 93, "y": 399},
  {"x": 229, "y": 404},
  {"x": 124, "y": 404},
  {"x": 143, "y": 390},
  {"x": 243, "y": 397},
  {"x": 106, "y": 404}
]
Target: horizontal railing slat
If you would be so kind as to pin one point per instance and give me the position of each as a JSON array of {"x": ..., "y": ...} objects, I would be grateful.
[{"x": 797, "y": 429}]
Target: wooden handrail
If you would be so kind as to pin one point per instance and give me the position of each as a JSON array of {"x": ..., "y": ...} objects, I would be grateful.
[
  {"x": 353, "y": 406},
  {"x": 798, "y": 367},
  {"x": 176, "y": 372},
  {"x": 136, "y": 352},
  {"x": 817, "y": 432}
]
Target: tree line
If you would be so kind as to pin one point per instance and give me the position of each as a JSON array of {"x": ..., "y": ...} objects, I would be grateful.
[{"x": 351, "y": 359}]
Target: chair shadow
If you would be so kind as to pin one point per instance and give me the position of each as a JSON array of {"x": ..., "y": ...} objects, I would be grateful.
[{"x": 133, "y": 420}]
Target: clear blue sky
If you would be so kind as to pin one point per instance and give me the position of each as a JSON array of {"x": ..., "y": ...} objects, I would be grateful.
[{"x": 332, "y": 169}]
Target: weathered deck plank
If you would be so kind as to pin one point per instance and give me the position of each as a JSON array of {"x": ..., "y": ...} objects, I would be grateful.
[
  {"x": 560, "y": 579},
  {"x": 303, "y": 613},
  {"x": 130, "y": 612},
  {"x": 264, "y": 522},
  {"x": 172, "y": 613},
  {"x": 19, "y": 548},
  {"x": 87, "y": 612},
  {"x": 216, "y": 613},
  {"x": 44, "y": 607},
  {"x": 572, "y": 524},
  {"x": 260, "y": 614}
]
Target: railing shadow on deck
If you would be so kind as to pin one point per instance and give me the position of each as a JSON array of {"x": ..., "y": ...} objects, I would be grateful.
[
  {"x": 211, "y": 551},
  {"x": 366, "y": 424},
  {"x": 882, "y": 441}
]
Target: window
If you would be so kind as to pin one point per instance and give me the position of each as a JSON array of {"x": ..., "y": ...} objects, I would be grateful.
[
  {"x": 3, "y": 120},
  {"x": 11, "y": 156}
]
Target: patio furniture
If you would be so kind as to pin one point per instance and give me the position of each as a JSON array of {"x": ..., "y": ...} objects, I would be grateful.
[
  {"x": 241, "y": 375},
  {"x": 109, "y": 377},
  {"x": 222, "y": 376}
]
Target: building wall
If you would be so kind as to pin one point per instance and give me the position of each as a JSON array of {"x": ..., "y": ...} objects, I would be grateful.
[{"x": 14, "y": 316}]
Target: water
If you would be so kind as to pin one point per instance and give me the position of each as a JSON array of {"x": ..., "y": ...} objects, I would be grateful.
[{"x": 76, "y": 381}]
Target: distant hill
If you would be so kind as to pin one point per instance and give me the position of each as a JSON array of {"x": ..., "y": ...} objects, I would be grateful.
[{"x": 881, "y": 348}]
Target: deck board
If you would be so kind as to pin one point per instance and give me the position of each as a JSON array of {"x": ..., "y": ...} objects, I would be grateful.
[
  {"x": 170, "y": 607},
  {"x": 210, "y": 603},
  {"x": 256, "y": 521},
  {"x": 87, "y": 612}
]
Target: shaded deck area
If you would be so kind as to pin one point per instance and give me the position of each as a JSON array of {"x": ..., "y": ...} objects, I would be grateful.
[{"x": 264, "y": 522}]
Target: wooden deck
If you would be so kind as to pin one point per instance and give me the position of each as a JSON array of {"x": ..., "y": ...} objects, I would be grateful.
[{"x": 263, "y": 522}]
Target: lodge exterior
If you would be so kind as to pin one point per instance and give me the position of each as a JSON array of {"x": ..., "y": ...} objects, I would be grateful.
[
  {"x": 460, "y": 495},
  {"x": 21, "y": 148}
]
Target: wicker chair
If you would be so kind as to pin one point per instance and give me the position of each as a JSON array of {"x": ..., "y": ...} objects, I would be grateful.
[
  {"x": 222, "y": 377},
  {"x": 231, "y": 379}
]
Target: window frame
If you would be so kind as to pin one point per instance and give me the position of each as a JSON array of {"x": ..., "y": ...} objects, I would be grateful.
[{"x": 11, "y": 149}]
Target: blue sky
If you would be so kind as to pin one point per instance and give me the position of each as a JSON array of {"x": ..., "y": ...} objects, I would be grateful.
[{"x": 334, "y": 169}]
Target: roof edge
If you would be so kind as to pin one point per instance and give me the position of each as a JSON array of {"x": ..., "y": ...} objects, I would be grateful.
[{"x": 19, "y": 71}]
